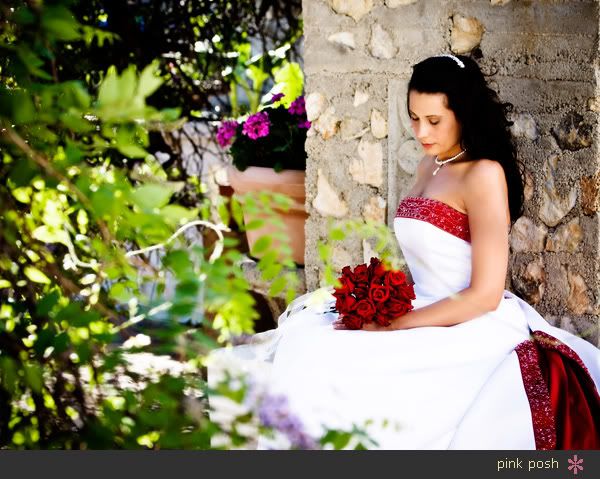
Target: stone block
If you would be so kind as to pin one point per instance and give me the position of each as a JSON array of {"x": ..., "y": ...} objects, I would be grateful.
[{"x": 527, "y": 237}]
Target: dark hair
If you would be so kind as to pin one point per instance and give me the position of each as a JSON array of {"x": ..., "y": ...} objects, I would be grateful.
[{"x": 485, "y": 127}]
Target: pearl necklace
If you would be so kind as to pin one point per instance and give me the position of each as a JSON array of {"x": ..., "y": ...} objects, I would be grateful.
[{"x": 441, "y": 163}]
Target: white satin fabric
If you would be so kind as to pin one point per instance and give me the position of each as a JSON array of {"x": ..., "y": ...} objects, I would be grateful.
[{"x": 457, "y": 387}]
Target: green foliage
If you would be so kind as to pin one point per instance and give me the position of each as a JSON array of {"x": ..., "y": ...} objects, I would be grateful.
[
  {"x": 273, "y": 251},
  {"x": 72, "y": 288},
  {"x": 289, "y": 80},
  {"x": 197, "y": 46}
]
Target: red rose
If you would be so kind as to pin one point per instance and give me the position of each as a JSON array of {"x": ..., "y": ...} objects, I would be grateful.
[
  {"x": 365, "y": 308},
  {"x": 347, "y": 271},
  {"x": 376, "y": 270},
  {"x": 344, "y": 304},
  {"x": 347, "y": 286},
  {"x": 361, "y": 274},
  {"x": 352, "y": 321},
  {"x": 405, "y": 292},
  {"x": 379, "y": 293},
  {"x": 361, "y": 290},
  {"x": 397, "y": 308},
  {"x": 390, "y": 310},
  {"x": 395, "y": 278}
]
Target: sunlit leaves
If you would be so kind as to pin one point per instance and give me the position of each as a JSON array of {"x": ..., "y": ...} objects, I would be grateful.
[
  {"x": 123, "y": 95},
  {"x": 151, "y": 196},
  {"x": 71, "y": 216},
  {"x": 290, "y": 81},
  {"x": 35, "y": 275},
  {"x": 108, "y": 93},
  {"x": 149, "y": 80}
]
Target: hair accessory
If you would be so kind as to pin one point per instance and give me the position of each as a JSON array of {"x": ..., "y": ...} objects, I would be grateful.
[
  {"x": 456, "y": 59},
  {"x": 441, "y": 163}
]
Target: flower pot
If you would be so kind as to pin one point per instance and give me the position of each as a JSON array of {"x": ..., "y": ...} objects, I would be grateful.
[{"x": 288, "y": 182}]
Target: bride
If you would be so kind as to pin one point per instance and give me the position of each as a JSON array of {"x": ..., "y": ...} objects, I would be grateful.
[{"x": 472, "y": 366}]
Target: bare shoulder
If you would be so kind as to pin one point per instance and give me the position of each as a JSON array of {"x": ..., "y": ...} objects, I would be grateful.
[
  {"x": 485, "y": 176},
  {"x": 485, "y": 188}
]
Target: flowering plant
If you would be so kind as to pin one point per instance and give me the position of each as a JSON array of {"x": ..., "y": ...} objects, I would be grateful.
[
  {"x": 372, "y": 294},
  {"x": 273, "y": 138}
]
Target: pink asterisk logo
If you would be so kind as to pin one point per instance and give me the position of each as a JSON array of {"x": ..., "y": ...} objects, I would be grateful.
[{"x": 575, "y": 465}]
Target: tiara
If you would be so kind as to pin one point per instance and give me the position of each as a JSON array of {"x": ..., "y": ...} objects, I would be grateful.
[{"x": 456, "y": 59}]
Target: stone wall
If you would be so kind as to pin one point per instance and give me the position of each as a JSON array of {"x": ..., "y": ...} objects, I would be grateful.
[{"x": 542, "y": 56}]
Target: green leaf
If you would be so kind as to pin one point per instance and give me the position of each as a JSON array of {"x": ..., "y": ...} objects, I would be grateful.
[
  {"x": 278, "y": 285},
  {"x": 223, "y": 212},
  {"x": 262, "y": 244},
  {"x": 257, "y": 76},
  {"x": 75, "y": 316},
  {"x": 255, "y": 224},
  {"x": 60, "y": 22},
  {"x": 23, "y": 172},
  {"x": 149, "y": 80},
  {"x": 337, "y": 234},
  {"x": 61, "y": 343},
  {"x": 324, "y": 251},
  {"x": 23, "y": 108},
  {"x": 9, "y": 373},
  {"x": 289, "y": 79},
  {"x": 187, "y": 289},
  {"x": 33, "y": 376},
  {"x": 129, "y": 144},
  {"x": 271, "y": 270},
  {"x": 120, "y": 292},
  {"x": 175, "y": 215},
  {"x": 45, "y": 305},
  {"x": 46, "y": 234},
  {"x": 22, "y": 194},
  {"x": 108, "y": 92},
  {"x": 179, "y": 262},
  {"x": 151, "y": 196},
  {"x": 36, "y": 275},
  {"x": 236, "y": 211},
  {"x": 23, "y": 16},
  {"x": 128, "y": 83},
  {"x": 32, "y": 62},
  {"x": 73, "y": 154},
  {"x": 132, "y": 151}
]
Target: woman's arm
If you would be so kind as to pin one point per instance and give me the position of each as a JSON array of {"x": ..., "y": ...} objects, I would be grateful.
[{"x": 486, "y": 199}]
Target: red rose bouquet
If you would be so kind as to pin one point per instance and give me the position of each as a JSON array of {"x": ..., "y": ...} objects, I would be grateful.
[{"x": 372, "y": 294}]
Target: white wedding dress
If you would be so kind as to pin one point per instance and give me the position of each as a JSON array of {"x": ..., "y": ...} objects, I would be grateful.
[{"x": 504, "y": 380}]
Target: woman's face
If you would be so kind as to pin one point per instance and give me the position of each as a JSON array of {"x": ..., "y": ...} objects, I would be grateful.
[{"x": 434, "y": 125}]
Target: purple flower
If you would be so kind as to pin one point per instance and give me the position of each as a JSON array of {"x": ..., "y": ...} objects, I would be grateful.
[
  {"x": 277, "y": 97},
  {"x": 274, "y": 413},
  {"x": 304, "y": 125},
  {"x": 226, "y": 132},
  {"x": 257, "y": 125},
  {"x": 297, "y": 107}
]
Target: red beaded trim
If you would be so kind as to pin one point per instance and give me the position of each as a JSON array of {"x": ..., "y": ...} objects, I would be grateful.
[
  {"x": 544, "y": 426},
  {"x": 550, "y": 342},
  {"x": 437, "y": 213}
]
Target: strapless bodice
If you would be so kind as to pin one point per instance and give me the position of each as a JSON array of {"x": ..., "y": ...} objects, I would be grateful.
[{"x": 435, "y": 241}]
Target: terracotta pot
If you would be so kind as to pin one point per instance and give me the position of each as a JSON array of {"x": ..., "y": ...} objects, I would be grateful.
[{"x": 288, "y": 182}]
